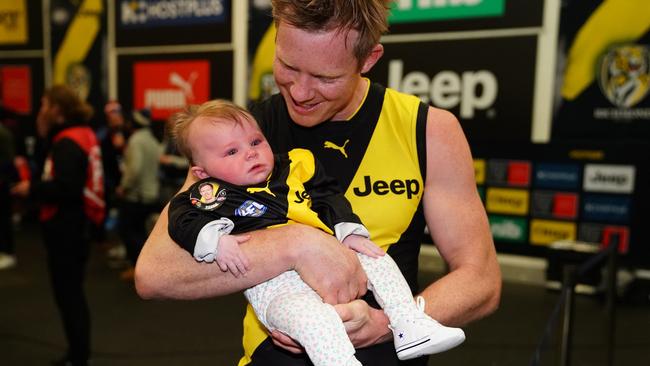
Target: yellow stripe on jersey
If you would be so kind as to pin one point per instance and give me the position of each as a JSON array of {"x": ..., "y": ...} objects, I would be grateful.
[
  {"x": 614, "y": 21},
  {"x": 301, "y": 170},
  {"x": 385, "y": 181}
]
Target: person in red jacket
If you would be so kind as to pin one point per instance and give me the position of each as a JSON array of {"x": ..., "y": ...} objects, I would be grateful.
[{"x": 71, "y": 198}]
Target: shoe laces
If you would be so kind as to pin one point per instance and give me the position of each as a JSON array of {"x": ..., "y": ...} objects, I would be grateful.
[{"x": 420, "y": 303}]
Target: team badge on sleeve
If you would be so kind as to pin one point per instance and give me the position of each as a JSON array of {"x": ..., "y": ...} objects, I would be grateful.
[
  {"x": 207, "y": 196},
  {"x": 251, "y": 209}
]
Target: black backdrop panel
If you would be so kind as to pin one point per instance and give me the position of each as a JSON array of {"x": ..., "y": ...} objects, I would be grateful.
[
  {"x": 487, "y": 83},
  {"x": 221, "y": 80},
  {"x": 581, "y": 155},
  {"x": 156, "y": 26}
]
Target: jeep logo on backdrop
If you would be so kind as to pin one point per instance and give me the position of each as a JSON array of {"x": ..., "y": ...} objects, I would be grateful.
[
  {"x": 406, "y": 11},
  {"x": 469, "y": 91},
  {"x": 487, "y": 83}
]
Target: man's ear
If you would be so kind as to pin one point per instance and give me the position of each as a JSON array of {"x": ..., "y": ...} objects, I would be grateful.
[
  {"x": 199, "y": 172},
  {"x": 372, "y": 59}
]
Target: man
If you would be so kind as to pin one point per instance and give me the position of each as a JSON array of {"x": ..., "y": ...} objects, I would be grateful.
[{"x": 400, "y": 163}]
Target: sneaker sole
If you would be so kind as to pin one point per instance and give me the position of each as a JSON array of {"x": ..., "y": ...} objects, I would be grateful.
[{"x": 426, "y": 346}]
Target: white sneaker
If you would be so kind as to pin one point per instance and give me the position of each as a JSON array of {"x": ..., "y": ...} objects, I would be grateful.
[
  {"x": 422, "y": 335},
  {"x": 7, "y": 261}
]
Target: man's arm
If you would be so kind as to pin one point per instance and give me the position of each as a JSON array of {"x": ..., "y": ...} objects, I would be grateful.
[
  {"x": 459, "y": 228},
  {"x": 165, "y": 270}
]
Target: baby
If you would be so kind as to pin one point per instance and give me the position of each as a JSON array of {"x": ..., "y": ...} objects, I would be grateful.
[{"x": 243, "y": 186}]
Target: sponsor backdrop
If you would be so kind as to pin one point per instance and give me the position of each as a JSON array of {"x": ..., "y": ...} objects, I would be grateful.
[
  {"x": 472, "y": 78},
  {"x": 184, "y": 68},
  {"x": 414, "y": 16},
  {"x": 168, "y": 83},
  {"x": 604, "y": 78},
  {"x": 77, "y": 32},
  {"x": 536, "y": 195},
  {"x": 21, "y": 24},
  {"x": 485, "y": 78},
  {"x": 171, "y": 22}
]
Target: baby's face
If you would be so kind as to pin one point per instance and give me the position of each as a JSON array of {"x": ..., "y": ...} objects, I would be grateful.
[{"x": 236, "y": 153}]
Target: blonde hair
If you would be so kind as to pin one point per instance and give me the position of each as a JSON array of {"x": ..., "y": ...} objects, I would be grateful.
[
  {"x": 217, "y": 109},
  {"x": 72, "y": 108},
  {"x": 367, "y": 17}
]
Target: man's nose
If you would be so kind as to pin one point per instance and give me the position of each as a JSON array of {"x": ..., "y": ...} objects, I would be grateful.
[{"x": 301, "y": 89}]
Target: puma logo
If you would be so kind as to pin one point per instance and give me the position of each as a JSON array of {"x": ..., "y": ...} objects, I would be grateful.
[
  {"x": 341, "y": 149},
  {"x": 266, "y": 189}
]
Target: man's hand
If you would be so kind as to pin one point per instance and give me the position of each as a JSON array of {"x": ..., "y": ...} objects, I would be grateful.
[
  {"x": 363, "y": 245},
  {"x": 365, "y": 325},
  {"x": 328, "y": 267},
  {"x": 230, "y": 257},
  {"x": 284, "y": 341}
]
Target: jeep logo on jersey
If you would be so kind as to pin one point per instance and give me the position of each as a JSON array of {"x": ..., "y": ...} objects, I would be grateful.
[
  {"x": 410, "y": 187},
  {"x": 406, "y": 11},
  {"x": 471, "y": 90},
  {"x": 609, "y": 178}
]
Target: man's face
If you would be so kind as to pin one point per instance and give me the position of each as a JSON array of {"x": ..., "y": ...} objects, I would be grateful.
[
  {"x": 317, "y": 75},
  {"x": 236, "y": 153},
  {"x": 206, "y": 192}
]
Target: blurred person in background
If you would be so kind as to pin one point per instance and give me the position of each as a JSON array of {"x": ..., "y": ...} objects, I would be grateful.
[
  {"x": 7, "y": 255},
  {"x": 112, "y": 137},
  {"x": 139, "y": 188},
  {"x": 173, "y": 166},
  {"x": 71, "y": 198}
]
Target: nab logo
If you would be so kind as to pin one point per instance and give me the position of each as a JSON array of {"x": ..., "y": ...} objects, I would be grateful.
[
  {"x": 432, "y": 4},
  {"x": 471, "y": 90},
  {"x": 410, "y": 187},
  {"x": 506, "y": 230}
]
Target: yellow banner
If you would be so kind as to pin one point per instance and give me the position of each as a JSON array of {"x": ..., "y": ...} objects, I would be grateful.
[
  {"x": 479, "y": 171},
  {"x": 507, "y": 201},
  {"x": 68, "y": 65},
  {"x": 545, "y": 232},
  {"x": 13, "y": 22}
]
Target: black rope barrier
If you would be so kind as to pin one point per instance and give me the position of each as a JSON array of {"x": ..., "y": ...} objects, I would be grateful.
[{"x": 565, "y": 305}]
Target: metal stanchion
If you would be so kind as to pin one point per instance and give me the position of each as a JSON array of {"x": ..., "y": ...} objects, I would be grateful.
[
  {"x": 610, "y": 305},
  {"x": 568, "y": 287},
  {"x": 571, "y": 274}
]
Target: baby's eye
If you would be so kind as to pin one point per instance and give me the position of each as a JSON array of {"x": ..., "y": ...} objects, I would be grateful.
[
  {"x": 256, "y": 142},
  {"x": 231, "y": 152}
]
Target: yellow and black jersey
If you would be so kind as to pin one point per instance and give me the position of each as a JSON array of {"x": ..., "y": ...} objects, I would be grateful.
[
  {"x": 378, "y": 158},
  {"x": 297, "y": 190}
]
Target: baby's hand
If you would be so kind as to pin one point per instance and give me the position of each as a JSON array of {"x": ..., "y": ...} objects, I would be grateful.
[
  {"x": 230, "y": 257},
  {"x": 363, "y": 245}
]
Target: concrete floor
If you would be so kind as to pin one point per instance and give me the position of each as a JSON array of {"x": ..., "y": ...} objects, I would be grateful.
[{"x": 129, "y": 331}]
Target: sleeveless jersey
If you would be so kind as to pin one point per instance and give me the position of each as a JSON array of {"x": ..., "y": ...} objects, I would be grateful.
[{"x": 378, "y": 157}]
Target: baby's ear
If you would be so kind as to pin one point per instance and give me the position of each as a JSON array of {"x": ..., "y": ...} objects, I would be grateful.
[{"x": 199, "y": 172}]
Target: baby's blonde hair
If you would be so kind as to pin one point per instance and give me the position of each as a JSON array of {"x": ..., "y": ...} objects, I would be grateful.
[{"x": 217, "y": 109}]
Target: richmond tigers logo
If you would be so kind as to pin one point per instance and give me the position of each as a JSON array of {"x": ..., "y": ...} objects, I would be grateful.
[{"x": 624, "y": 75}]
